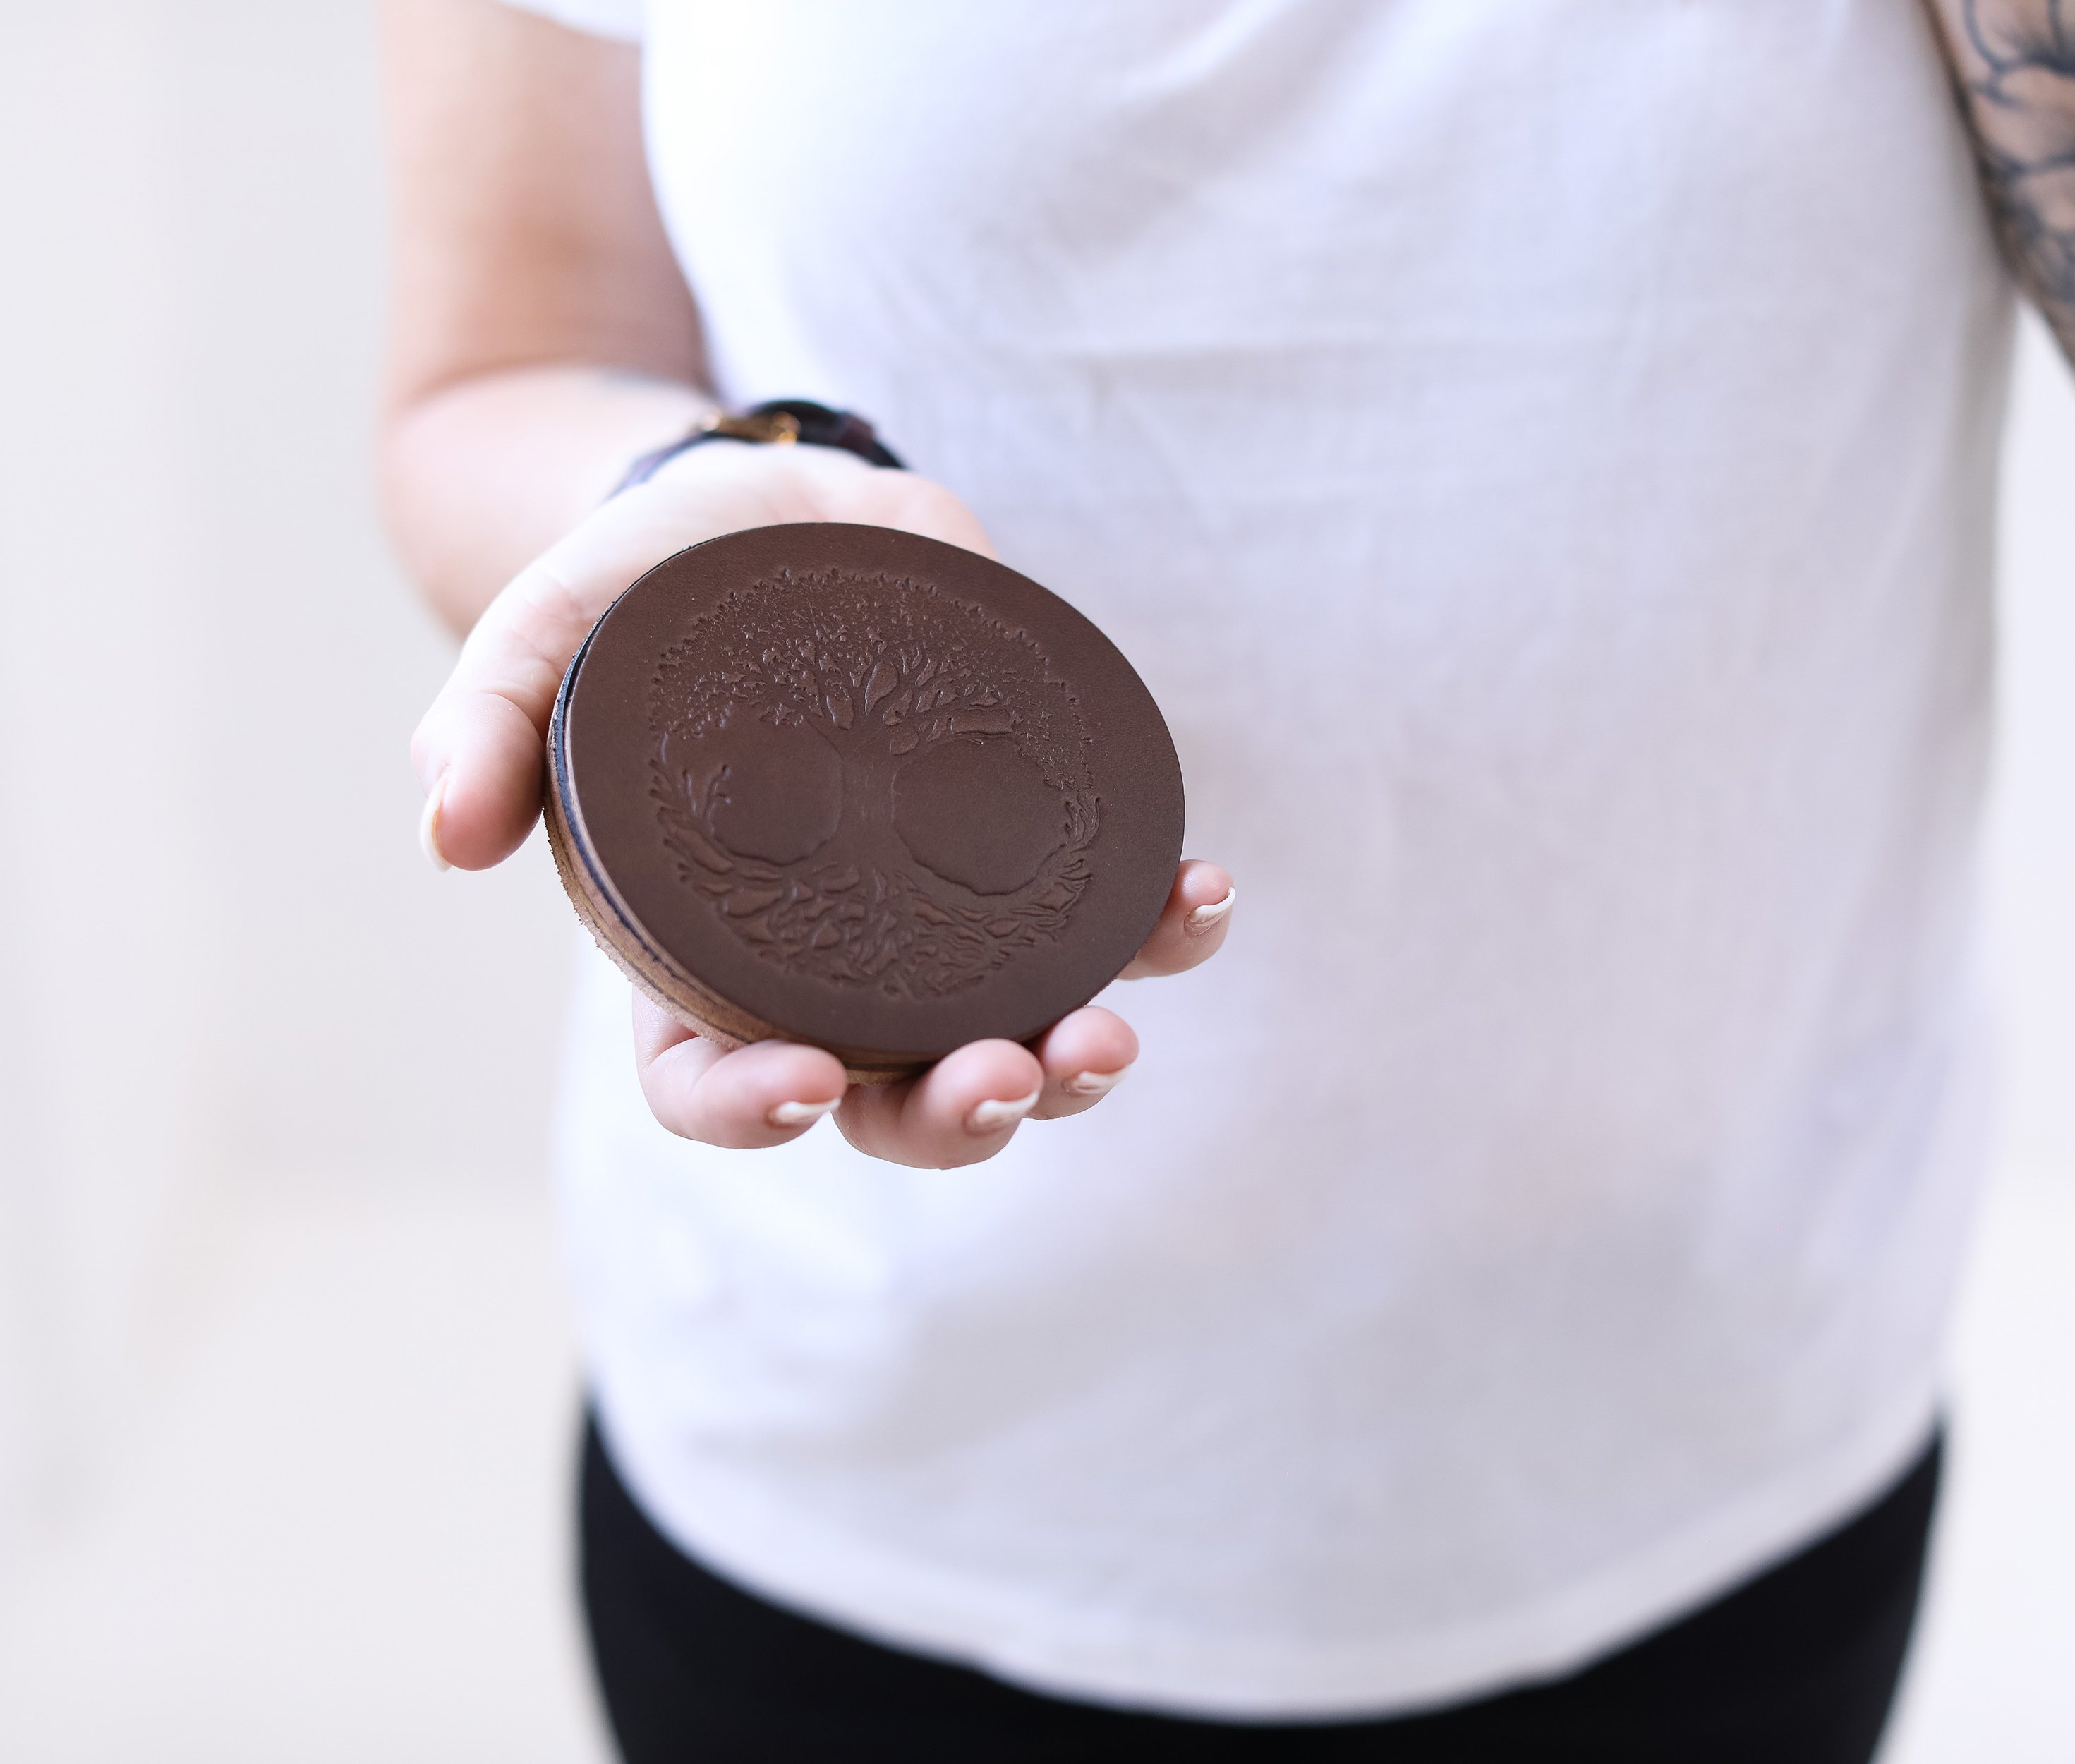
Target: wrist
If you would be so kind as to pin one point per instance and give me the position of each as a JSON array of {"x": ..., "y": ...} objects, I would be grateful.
[
  {"x": 783, "y": 422},
  {"x": 480, "y": 477}
]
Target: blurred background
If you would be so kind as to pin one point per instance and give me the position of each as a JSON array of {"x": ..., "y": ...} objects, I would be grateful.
[{"x": 287, "y": 1399}]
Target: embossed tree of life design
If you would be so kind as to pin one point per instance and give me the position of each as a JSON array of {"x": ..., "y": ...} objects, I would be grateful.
[{"x": 873, "y": 783}]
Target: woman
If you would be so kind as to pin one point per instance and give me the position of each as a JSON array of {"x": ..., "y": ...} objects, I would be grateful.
[{"x": 1499, "y": 1318}]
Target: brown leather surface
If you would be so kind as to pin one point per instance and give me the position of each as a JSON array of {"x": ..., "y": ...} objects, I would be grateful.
[{"x": 871, "y": 791}]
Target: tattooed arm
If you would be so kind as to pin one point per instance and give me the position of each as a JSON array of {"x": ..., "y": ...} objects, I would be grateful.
[{"x": 2013, "y": 62}]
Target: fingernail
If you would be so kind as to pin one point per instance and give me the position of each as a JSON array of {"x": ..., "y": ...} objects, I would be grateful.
[
  {"x": 1093, "y": 1083},
  {"x": 799, "y": 1114},
  {"x": 990, "y": 1115},
  {"x": 1203, "y": 917},
  {"x": 429, "y": 825}
]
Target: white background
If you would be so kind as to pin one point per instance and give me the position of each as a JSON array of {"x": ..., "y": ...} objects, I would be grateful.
[{"x": 287, "y": 1404}]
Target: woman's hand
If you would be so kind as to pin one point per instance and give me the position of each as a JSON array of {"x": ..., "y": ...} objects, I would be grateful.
[
  {"x": 963, "y": 1109},
  {"x": 480, "y": 751}
]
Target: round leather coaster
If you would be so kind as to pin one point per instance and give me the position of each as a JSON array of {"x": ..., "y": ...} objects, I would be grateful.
[{"x": 845, "y": 786}]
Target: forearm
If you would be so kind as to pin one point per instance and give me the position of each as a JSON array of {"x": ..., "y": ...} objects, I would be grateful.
[
  {"x": 2013, "y": 63},
  {"x": 481, "y": 476},
  {"x": 541, "y": 337}
]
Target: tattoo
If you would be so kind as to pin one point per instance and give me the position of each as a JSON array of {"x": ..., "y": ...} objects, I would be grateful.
[{"x": 2013, "y": 62}]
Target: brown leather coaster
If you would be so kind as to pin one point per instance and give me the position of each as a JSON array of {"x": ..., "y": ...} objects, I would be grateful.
[{"x": 844, "y": 785}]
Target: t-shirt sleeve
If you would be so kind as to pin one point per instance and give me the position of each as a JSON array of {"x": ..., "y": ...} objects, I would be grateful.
[{"x": 620, "y": 20}]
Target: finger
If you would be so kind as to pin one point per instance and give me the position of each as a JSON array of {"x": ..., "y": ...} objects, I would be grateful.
[
  {"x": 478, "y": 750},
  {"x": 963, "y": 1109},
  {"x": 762, "y": 1095},
  {"x": 1085, "y": 1056},
  {"x": 1192, "y": 925}
]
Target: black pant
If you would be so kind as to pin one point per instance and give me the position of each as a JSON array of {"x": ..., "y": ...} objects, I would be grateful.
[{"x": 1797, "y": 1665}]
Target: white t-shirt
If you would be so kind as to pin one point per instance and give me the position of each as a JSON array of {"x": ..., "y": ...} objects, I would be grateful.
[{"x": 1539, "y": 454}]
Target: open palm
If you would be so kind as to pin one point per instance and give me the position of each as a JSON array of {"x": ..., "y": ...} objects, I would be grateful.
[{"x": 479, "y": 752}]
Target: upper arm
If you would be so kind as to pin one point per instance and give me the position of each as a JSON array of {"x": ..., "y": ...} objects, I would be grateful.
[
  {"x": 2013, "y": 63},
  {"x": 525, "y": 230}
]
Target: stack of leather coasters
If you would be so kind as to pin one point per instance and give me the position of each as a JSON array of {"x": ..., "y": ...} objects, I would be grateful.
[{"x": 843, "y": 785}]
